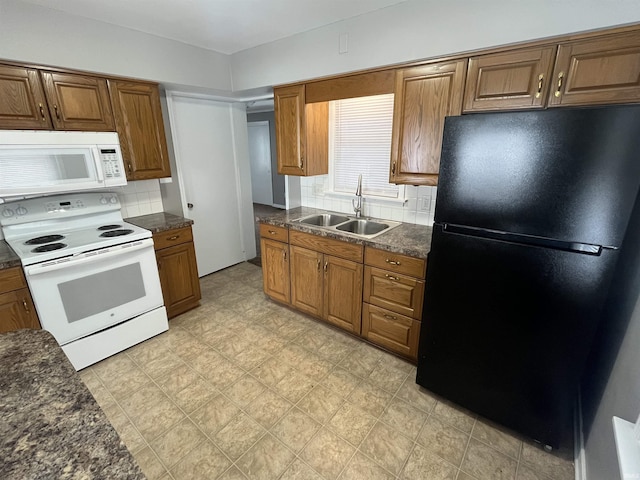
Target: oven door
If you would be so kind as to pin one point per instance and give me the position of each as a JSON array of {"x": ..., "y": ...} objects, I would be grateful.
[{"x": 83, "y": 294}]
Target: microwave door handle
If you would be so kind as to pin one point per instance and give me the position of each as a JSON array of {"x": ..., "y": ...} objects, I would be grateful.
[
  {"x": 83, "y": 260},
  {"x": 98, "y": 163}
]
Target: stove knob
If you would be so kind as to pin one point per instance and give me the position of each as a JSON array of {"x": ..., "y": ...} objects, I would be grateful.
[
  {"x": 113, "y": 200},
  {"x": 7, "y": 212},
  {"x": 21, "y": 211},
  {"x": 103, "y": 200}
]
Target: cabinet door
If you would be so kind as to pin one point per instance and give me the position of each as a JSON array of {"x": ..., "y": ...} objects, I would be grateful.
[
  {"x": 275, "y": 269},
  {"x": 597, "y": 71},
  {"x": 394, "y": 292},
  {"x": 306, "y": 280},
  {"x": 512, "y": 80},
  {"x": 179, "y": 278},
  {"x": 290, "y": 129},
  {"x": 139, "y": 124},
  {"x": 343, "y": 293},
  {"x": 17, "y": 311},
  {"x": 391, "y": 330},
  {"x": 302, "y": 133},
  {"x": 77, "y": 102},
  {"x": 22, "y": 102},
  {"x": 423, "y": 97}
]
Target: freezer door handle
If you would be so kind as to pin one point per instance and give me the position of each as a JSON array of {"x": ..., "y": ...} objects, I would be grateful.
[{"x": 531, "y": 240}]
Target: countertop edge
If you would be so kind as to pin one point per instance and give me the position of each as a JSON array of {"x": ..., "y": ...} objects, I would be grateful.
[{"x": 406, "y": 239}]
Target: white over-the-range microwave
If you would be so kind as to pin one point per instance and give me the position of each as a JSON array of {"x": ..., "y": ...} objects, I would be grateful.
[{"x": 43, "y": 162}]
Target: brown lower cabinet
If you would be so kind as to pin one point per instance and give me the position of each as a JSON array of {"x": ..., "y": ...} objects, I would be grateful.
[
  {"x": 176, "y": 257},
  {"x": 327, "y": 287},
  {"x": 16, "y": 306},
  {"x": 391, "y": 330},
  {"x": 366, "y": 291}
]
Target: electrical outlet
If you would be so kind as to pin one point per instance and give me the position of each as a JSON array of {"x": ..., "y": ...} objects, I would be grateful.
[{"x": 424, "y": 204}]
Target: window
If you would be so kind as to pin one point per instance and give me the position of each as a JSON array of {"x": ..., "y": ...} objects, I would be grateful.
[{"x": 360, "y": 142}]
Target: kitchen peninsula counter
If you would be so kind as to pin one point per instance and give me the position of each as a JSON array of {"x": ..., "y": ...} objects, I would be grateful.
[
  {"x": 406, "y": 239},
  {"x": 8, "y": 258},
  {"x": 51, "y": 425},
  {"x": 160, "y": 222}
]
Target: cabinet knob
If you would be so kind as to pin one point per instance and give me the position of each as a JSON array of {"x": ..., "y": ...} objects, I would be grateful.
[{"x": 189, "y": 206}]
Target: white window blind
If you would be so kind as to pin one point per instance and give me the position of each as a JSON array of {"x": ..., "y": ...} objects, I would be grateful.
[{"x": 361, "y": 143}]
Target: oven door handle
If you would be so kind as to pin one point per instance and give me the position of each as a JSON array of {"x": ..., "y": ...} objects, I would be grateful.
[{"x": 90, "y": 257}]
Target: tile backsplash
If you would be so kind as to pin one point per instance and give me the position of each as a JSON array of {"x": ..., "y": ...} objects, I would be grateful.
[
  {"x": 419, "y": 206},
  {"x": 141, "y": 197}
]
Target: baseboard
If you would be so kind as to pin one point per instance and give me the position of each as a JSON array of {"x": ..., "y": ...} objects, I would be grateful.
[{"x": 579, "y": 455}]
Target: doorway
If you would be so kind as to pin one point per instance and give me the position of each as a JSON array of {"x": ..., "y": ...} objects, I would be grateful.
[{"x": 260, "y": 158}]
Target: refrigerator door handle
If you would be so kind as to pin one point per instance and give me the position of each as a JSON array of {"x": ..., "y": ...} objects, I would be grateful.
[{"x": 523, "y": 239}]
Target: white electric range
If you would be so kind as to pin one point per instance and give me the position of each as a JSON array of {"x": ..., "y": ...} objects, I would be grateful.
[{"x": 93, "y": 277}]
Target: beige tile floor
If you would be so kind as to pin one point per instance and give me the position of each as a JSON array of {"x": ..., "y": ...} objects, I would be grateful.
[{"x": 244, "y": 388}]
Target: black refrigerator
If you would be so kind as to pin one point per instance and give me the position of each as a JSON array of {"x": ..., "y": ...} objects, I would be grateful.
[{"x": 532, "y": 212}]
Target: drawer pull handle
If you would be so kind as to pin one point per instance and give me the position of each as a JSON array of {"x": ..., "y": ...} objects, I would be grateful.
[
  {"x": 273, "y": 232},
  {"x": 55, "y": 108},
  {"x": 319, "y": 262},
  {"x": 25, "y": 305},
  {"x": 392, "y": 262},
  {"x": 390, "y": 317},
  {"x": 325, "y": 266},
  {"x": 391, "y": 277},
  {"x": 284, "y": 255},
  {"x": 175, "y": 237},
  {"x": 42, "y": 112}
]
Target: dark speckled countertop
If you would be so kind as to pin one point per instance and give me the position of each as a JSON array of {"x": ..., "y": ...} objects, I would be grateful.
[
  {"x": 160, "y": 222},
  {"x": 407, "y": 239},
  {"x": 8, "y": 258},
  {"x": 51, "y": 425}
]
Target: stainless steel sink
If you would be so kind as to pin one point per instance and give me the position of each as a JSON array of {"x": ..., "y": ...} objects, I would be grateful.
[
  {"x": 362, "y": 227},
  {"x": 358, "y": 227},
  {"x": 324, "y": 220}
]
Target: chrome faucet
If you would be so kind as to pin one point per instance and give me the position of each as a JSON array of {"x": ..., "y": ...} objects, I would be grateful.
[{"x": 357, "y": 202}]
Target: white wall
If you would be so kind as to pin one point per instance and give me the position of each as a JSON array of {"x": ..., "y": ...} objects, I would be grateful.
[
  {"x": 419, "y": 29},
  {"x": 40, "y": 35}
]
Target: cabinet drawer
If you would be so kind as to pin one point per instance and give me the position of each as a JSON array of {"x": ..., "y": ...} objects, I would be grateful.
[
  {"x": 272, "y": 232},
  {"x": 349, "y": 251},
  {"x": 391, "y": 330},
  {"x": 395, "y": 262},
  {"x": 11, "y": 279},
  {"x": 393, "y": 291},
  {"x": 172, "y": 237}
]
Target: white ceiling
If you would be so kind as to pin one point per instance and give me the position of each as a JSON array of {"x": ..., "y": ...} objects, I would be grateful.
[{"x": 226, "y": 26}]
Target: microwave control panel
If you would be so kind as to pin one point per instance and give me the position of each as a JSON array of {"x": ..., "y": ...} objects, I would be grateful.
[{"x": 112, "y": 164}]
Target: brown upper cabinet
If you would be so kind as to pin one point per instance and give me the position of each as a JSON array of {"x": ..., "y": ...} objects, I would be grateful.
[
  {"x": 44, "y": 100},
  {"x": 22, "y": 102},
  {"x": 302, "y": 133},
  {"x": 424, "y": 95},
  {"x": 138, "y": 114},
  {"x": 511, "y": 80},
  {"x": 78, "y": 102},
  {"x": 597, "y": 71}
]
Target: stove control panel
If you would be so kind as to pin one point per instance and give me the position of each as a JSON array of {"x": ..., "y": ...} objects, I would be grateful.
[{"x": 58, "y": 207}]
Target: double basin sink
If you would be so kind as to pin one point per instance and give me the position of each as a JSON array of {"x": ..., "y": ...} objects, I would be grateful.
[{"x": 355, "y": 226}]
